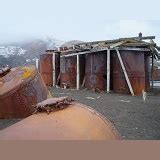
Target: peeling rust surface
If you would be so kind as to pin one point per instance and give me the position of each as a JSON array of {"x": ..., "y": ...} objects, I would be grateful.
[
  {"x": 19, "y": 90},
  {"x": 49, "y": 67},
  {"x": 95, "y": 71},
  {"x": 68, "y": 71},
  {"x": 136, "y": 65},
  {"x": 76, "y": 122},
  {"x": 53, "y": 104},
  {"x": 46, "y": 68}
]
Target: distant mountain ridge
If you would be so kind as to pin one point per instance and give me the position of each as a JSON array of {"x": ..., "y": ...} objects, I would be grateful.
[{"x": 22, "y": 53}]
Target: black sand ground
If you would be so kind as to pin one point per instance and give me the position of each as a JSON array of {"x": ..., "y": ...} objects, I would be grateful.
[{"x": 133, "y": 118}]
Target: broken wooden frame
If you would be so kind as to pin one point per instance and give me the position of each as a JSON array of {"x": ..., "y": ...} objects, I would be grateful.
[{"x": 131, "y": 43}]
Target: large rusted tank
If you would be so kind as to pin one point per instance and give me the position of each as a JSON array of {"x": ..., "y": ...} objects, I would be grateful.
[
  {"x": 76, "y": 122},
  {"x": 49, "y": 67},
  {"x": 136, "y": 65},
  {"x": 156, "y": 74},
  {"x": 95, "y": 70},
  {"x": 19, "y": 90},
  {"x": 68, "y": 70}
]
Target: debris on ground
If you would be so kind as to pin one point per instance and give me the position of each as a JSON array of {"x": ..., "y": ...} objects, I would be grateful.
[
  {"x": 126, "y": 101},
  {"x": 90, "y": 98}
]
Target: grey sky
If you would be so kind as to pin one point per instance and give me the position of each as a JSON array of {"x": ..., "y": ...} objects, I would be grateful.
[{"x": 78, "y": 19}]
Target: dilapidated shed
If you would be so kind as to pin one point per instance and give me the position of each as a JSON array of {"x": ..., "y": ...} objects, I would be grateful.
[{"x": 121, "y": 65}]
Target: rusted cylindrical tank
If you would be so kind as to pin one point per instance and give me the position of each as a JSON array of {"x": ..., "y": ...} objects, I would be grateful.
[
  {"x": 19, "y": 90},
  {"x": 76, "y": 122},
  {"x": 136, "y": 65},
  {"x": 49, "y": 67},
  {"x": 68, "y": 71},
  {"x": 95, "y": 70},
  {"x": 156, "y": 74}
]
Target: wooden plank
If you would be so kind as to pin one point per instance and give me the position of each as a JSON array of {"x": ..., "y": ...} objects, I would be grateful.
[
  {"x": 104, "y": 49},
  {"x": 108, "y": 70},
  {"x": 117, "y": 40},
  {"x": 58, "y": 79},
  {"x": 125, "y": 73},
  {"x": 37, "y": 63},
  {"x": 78, "y": 74},
  {"x": 117, "y": 44},
  {"x": 152, "y": 71},
  {"x": 84, "y": 80},
  {"x": 54, "y": 69}
]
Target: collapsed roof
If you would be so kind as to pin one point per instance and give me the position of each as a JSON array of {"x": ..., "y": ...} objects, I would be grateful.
[{"x": 132, "y": 43}]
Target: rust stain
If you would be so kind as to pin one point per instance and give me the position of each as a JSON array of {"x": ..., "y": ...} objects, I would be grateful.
[
  {"x": 68, "y": 71},
  {"x": 136, "y": 65},
  {"x": 18, "y": 94},
  {"x": 95, "y": 71},
  {"x": 49, "y": 67}
]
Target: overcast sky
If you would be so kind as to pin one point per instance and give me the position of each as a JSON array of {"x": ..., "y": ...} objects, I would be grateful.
[{"x": 85, "y": 20}]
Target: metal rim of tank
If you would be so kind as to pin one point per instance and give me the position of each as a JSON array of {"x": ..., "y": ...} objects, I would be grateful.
[{"x": 107, "y": 121}]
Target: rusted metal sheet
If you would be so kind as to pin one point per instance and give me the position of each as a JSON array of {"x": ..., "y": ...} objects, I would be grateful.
[
  {"x": 50, "y": 67},
  {"x": 19, "y": 90},
  {"x": 136, "y": 67},
  {"x": 156, "y": 74},
  {"x": 46, "y": 68},
  {"x": 147, "y": 74},
  {"x": 76, "y": 122},
  {"x": 68, "y": 71},
  {"x": 96, "y": 70}
]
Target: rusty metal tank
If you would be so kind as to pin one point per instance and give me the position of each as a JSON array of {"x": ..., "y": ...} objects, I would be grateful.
[
  {"x": 136, "y": 65},
  {"x": 49, "y": 67},
  {"x": 95, "y": 70},
  {"x": 19, "y": 90},
  {"x": 76, "y": 122},
  {"x": 156, "y": 74},
  {"x": 68, "y": 71}
]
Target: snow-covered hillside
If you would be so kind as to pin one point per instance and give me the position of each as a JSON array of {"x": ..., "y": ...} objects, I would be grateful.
[
  {"x": 22, "y": 53},
  {"x": 6, "y": 51}
]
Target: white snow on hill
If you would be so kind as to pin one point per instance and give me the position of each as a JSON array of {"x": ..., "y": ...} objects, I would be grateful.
[{"x": 11, "y": 50}]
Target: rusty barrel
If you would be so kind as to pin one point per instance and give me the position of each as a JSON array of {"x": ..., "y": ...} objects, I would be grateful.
[
  {"x": 68, "y": 71},
  {"x": 19, "y": 90},
  {"x": 76, "y": 122},
  {"x": 136, "y": 65},
  {"x": 49, "y": 67},
  {"x": 95, "y": 70}
]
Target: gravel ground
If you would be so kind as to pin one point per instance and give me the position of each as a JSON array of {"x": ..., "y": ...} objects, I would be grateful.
[
  {"x": 7, "y": 122},
  {"x": 133, "y": 118}
]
